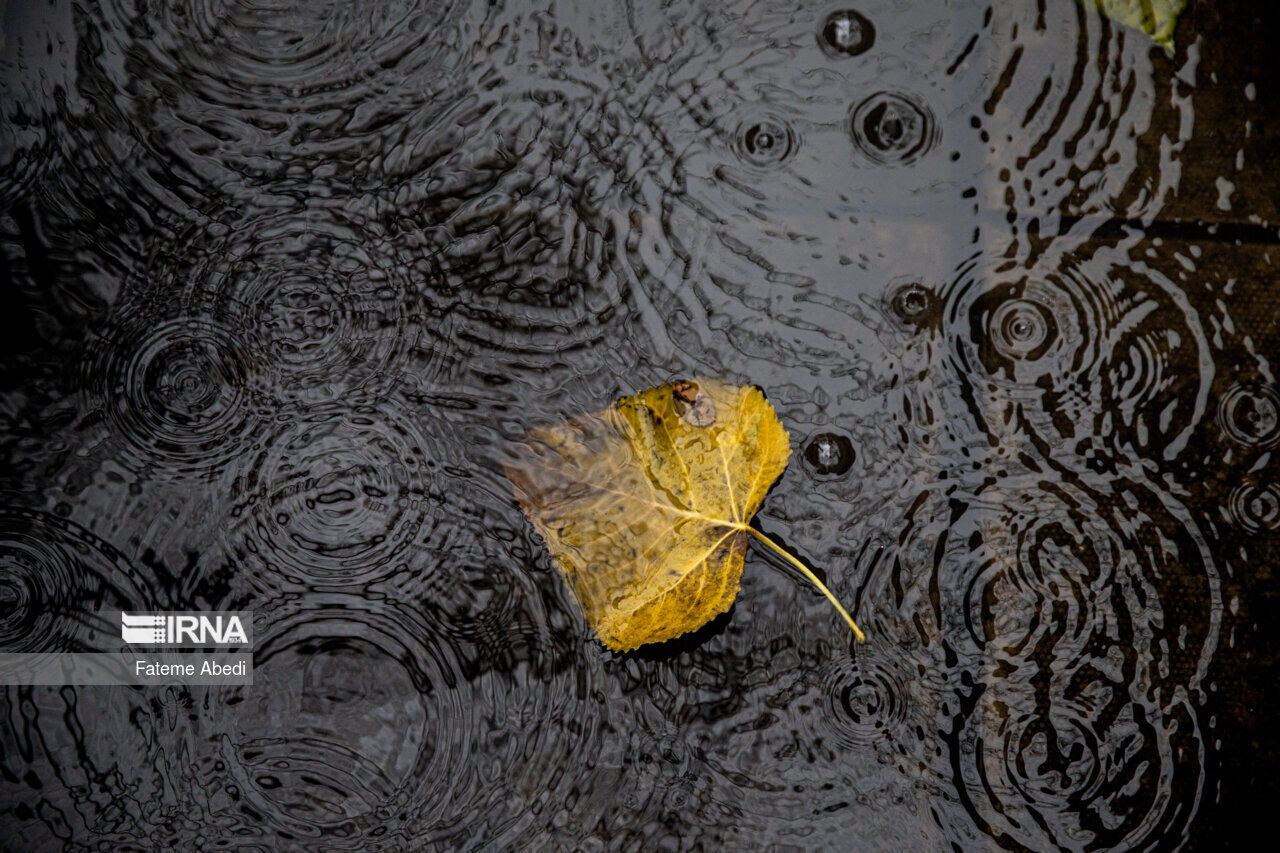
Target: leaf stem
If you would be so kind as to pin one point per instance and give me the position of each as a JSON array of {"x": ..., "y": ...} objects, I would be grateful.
[{"x": 786, "y": 555}]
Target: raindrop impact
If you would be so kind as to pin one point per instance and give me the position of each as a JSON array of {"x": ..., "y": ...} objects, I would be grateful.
[
  {"x": 1250, "y": 415},
  {"x": 768, "y": 141},
  {"x": 1256, "y": 507},
  {"x": 891, "y": 129},
  {"x": 1021, "y": 329}
]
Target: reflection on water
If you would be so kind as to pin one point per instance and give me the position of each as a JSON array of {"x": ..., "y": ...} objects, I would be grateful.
[{"x": 286, "y": 275}]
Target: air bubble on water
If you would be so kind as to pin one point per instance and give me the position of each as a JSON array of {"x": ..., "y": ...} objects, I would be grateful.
[
  {"x": 913, "y": 303},
  {"x": 846, "y": 33},
  {"x": 829, "y": 453}
]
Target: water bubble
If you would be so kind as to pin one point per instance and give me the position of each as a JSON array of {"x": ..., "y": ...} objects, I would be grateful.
[
  {"x": 695, "y": 406},
  {"x": 846, "y": 32},
  {"x": 767, "y": 141},
  {"x": 829, "y": 453},
  {"x": 566, "y": 209},
  {"x": 914, "y": 304},
  {"x": 1250, "y": 415},
  {"x": 892, "y": 129}
]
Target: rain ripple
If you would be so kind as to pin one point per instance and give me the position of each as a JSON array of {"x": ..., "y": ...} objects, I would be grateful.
[
  {"x": 337, "y": 493},
  {"x": 1094, "y": 353},
  {"x": 175, "y": 393},
  {"x": 55, "y": 576},
  {"x": 1071, "y": 627},
  {"x": 237, "y": 92}
]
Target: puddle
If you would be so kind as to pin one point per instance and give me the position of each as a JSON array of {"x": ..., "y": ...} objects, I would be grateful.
[{"x": 287, "y": 276}]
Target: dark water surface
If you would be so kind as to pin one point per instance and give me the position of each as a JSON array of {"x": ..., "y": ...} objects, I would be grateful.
[{"x": 281, "y": 278}]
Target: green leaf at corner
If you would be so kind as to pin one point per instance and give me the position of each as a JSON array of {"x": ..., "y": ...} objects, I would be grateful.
[{"x": 1156, "y": 18}]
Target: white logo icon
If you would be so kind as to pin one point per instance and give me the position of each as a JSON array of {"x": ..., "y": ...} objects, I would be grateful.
[
  {"x": 144, "y": 628},
  {"x": 174, "y": 629}
]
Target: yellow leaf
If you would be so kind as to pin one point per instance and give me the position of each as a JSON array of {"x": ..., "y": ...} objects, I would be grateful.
[
  {"x": 1156, "y": 18},
  {"x": 644, "y": 506}
]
